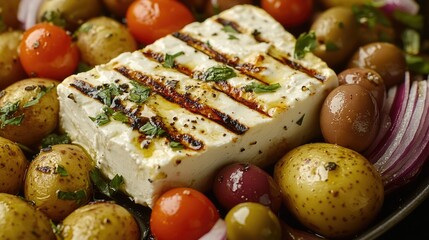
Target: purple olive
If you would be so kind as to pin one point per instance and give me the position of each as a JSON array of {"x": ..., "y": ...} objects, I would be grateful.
[{"x": 243, "y": 182}]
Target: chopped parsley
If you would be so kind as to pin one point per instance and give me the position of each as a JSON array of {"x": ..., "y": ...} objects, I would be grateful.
[
  {"x": 83, "y": 67},
  {"x": 77, "y": 196},
  {"x": 261, "y": 88},
  {"x": 120, "y": 116},
  {"x": 139, "y": 94},
  {"x": 61, "y": 171},
  {"x": 107, "y": 92},
  {"x": 369, "y": 15},
  {"x": 414, "y": 21},
  {"x": 232, "y": 37},
  {"x": 40, "y": 94},
  {"x": 176, "y": 145},
  {"x": 151, "y": 130},
  {"x": 169, "y": 59},
  {"x": 305, "y": 43},
  {"x": 417, "y": 64},
  {"x": 54, "y": 17},
  {"x": 101, "y": 119},
  {"x": 218, "y": 73},
  {"x": 53, "y": 139},
  {"x": 229, "y": 29},
  {"x": 7, "y": 115},
  {"x": 105, "y": 186}
]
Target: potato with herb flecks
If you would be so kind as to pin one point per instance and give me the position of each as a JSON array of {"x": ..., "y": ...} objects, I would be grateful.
[
  {"x": 332, "y": 190},
  {"x": 20, "y": 220},
  {"x": 11, "y": 69},
  {"x": 13, "y": 165},
  {"x": 100, "y": 220},
  {"x": 29, "y": 110},
  {"x": 58, "y": 180}
]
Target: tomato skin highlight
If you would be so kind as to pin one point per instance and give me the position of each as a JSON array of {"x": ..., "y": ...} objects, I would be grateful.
[
  {"x": 182, "y": 213},
  {"x": 149, "y": 20},
  {"x": 47, "y": 51},
  {"x": 290, "y": 13}
]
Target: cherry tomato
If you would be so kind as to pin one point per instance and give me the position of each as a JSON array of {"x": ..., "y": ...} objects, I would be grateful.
[
  {"x": 290, "y": 13},
  {"x": 48, "y": 51},
  {"x": 182, "y": 213},
  {"x": 149, "y": 20}
]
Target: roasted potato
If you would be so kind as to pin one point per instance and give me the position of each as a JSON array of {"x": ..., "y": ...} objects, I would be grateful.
[
  {"x": 13, "y": 165},
  {"x": 29, "y": 110},
  {"x": 100, "y": 220},
  {"x": 58, "y": 180},
  {"x": 20, "y": 220},
  {"x": 118, "y": 7},
  {"x": 10, "y": 66},
  {"x": 101, "y": 39},
  {"x": 8, "y": 14}
]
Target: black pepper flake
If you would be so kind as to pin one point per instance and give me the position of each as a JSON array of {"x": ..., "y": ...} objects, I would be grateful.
[
  {"x": 44, "y": 169},
  {"x": 178, "y": 162},
  {"x": 242, "y": 149},
  {"x": 71, "y": 96},
  {"x": 46, "y": 149},
  {"x": 330, "y": 166},
  {"x": 299, "y": 122},
  {"x": 30, "y": 88}
]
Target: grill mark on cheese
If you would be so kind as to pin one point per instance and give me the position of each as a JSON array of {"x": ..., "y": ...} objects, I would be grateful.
[
  {"x": 278, "y": 56},
  {"x": 136, "y": 121},
  {"x": 184, "y": 100},
  {"x": 222, "y": 86}
]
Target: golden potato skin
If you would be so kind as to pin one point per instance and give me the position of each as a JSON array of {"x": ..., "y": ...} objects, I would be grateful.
[
  {"x": 20, "y": 220},
  {"x": 13, "y": 165},
  {"x": 101, "y": 39},
  {"x": 100, "y": 220},
  {"x": 332, "y": 190},
  {"x": 44, "y": 179},
  {"x": 41, "y": 117},
  {"x": 11, "y": 69},
  {"x": 9, "y": 13}
]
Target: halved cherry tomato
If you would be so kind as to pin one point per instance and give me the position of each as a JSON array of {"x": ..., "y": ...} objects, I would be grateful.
[
  {"x": 149, "y": 20},
  {"x": 290, "y": 13},
  {"x": 182, "y": 213},
  {"x": 48, "y": 51}
]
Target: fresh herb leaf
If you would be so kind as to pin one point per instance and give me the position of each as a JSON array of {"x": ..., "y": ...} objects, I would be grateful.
[
  {"x": 176, "y": 145},
  {"x": 139, "y": 93},
  {"x": 261, "y": 88},
  {"x": 232, "y": 37},
  {"x": 101, "y": 119},
  {"x": 61, "y": 171},
  {"x": 151, "y": 130},
  {"x": 54, "y": 17},
  {"x": 105, "y": 186},
  {"x": 305, "y": 43},
  {"x": 108, "y": 111},
  {"x": 120, "y": 116},
  {"x": 16, "y": 121},
  {"x": 77, "y": 196},
  {"x": 7, "y": 115},
  {"x": 218, "y": 73},
  {"x": 43, "y": 90},
  {"x": 370, "y": 15},
  {"x": 411, "y": 41},
  {"x": 414, "y": 21},
  {"x": 169, "y": 59},
  {"x": 229, "y": 29},
  {"x": 300, "y": 120},
  {"x": 330, "y": 47},
  {"x": 56, "y": 229},
  {"x": 53, "y": 139},
  {"x": 107, "y": 92},
  {"x": 83, "y": 67},
  {"x": 417, "y": 64}
]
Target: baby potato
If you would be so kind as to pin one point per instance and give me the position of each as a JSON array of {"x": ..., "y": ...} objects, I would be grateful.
[
  {"x": 9, "y": 14},
  {"x": 118, "y": 7},
  {"x": 58, "y": 180},
  {"x": 29, "y": 104},
  {"x": 13, "y": 165},
  {"x": 10, "y": 66},
  {"x": 332, "y": 190},
  {"x": 100, "y": 220},
  {"x": 20, "y": 220},
  {"x": 101, "y": 39}
]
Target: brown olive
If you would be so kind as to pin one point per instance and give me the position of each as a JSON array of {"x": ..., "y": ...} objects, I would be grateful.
[
  {"x": 216, "y": 6},
  {"x": 385, "y": 58},
  {"x": 350, "y": 117},
  {"x": 368, "y": 79},
  {"x": 336, "y": 35},
  {"x": 118, "y": 7}
]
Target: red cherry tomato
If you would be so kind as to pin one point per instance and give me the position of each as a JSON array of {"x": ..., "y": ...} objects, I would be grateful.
[
  {"x": 290, "y": 13},
  {"x": 149, "y": 20},
  {"x": 48, "y": 51},
  {"x": 182, "y": 213}
]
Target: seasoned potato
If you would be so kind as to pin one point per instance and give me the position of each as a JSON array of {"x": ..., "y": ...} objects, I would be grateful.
[
  {"x": 8, "y": 14},
  {"x": 101, "y": 39},
  {"x": 118, "y": 7},
  {"x": 68, "y": 13},
  {"x": 100, "y": 220},
  {"x": 10, "y": 66},
  {"x": 13, "y": 165},
  {"x": 332, "y": 190},
  {"x": 20, "y": 220},
  {"x": 29, "y": 104},
  {"x": 58, "y": 180}
]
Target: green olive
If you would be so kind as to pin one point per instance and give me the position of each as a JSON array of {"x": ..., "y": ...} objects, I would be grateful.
[
  {"x": 384, "y": 58},
  {"x": 20, "y": 220},
  {"x": 332, "y": 190},
  {"x": 58, "y": 180},
  {"x": 13, "y": 165},
  {"x": 101, "y": 39},
  {"x": 8, "y": 15},
  {"x": 100, "y": 220},
  {"x": 336, "y": 35},
  {"x": 11, "y": 69},
  {"x": 118, "y": 7},
  {"x": 250, "y": 220},
  {"x": 68, "y": 13}
]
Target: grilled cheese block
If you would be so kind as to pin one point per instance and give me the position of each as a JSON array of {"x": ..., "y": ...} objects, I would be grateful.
[{"x": 173, "y": 113}]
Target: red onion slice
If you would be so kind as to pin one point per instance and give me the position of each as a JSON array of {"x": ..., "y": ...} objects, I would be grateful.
[
  {"x": 218, "y": 231},
  {"x": 408, "y": 6},
  {"x": 27, "y": 12}
]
